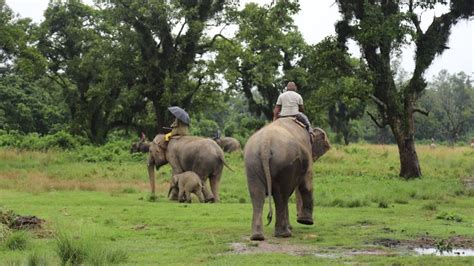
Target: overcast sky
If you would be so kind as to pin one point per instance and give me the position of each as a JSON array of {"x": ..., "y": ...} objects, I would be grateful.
[{"x": 316, "y": 21}]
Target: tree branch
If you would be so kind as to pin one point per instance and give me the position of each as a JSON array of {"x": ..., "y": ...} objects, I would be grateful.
[
  {"x": 414, "y": 18},
  {"x": 378, "y": 102},
  {"x": 380, "y": 125},
  {"x": 179, "y": 33},
  {"x": 421, "y": 111}
]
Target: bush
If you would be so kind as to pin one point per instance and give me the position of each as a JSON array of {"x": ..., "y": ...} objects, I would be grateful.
[
  {"x": 34, "y": 141},
  {"x": 17, "y": 241}
]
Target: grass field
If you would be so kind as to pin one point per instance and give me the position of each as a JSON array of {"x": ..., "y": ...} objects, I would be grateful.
[{"x": 98, "y": 213}]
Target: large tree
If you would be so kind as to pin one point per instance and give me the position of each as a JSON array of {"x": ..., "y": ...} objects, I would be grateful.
[
  {"x": 381, "y": 28},
  {"x": 263, "y": 55},
  {"x": 168, "y": 38}
]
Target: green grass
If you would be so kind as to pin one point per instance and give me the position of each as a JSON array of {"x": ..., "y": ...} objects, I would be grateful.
[{"x": 100, "y": 210}]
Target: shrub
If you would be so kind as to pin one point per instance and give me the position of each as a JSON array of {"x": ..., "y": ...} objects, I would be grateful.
[{"x": 17, "y": 241}]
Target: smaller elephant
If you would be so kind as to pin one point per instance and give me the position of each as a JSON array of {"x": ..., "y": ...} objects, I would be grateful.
[
  {"x": 186, "y": 183},
  {"x": 228, "y": 144}
]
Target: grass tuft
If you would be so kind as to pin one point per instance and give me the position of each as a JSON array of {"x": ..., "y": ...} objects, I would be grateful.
[
  {"x": 17, "y": 241},
  {"x": 70, "y": 250}
]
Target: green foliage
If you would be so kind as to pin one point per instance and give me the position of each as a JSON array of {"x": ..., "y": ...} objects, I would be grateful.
[
  {"x": 449, "y": 102},
  {"x": 263, "y": 55},
  {"x": 18, "y": 240},
  {"x": 34, "y": 141},
  {"x": 27, "y": 107}
]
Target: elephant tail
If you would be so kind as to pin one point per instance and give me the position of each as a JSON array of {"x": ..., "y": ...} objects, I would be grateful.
[
  {"x": 266, "y": 154},
  {"x": 226, "y": 165}
]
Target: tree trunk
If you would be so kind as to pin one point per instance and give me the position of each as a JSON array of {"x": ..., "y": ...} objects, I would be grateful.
[
  {"x": 403, "y": 130},
  {"x": 409, "y": 164}
]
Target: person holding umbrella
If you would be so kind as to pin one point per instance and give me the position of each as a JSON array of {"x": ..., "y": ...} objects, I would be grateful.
[{"x": 181, "y": 123}]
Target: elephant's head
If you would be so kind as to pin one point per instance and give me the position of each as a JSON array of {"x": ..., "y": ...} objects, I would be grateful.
[
  {"x": 320, "y": 143},
  {"x": 158, "y": 151},
  {"x": 134, "y": 147}
]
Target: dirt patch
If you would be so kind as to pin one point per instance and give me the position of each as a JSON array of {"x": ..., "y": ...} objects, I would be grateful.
[
  {"x": 266, "y": 247},
  {"x": 17, "y": 222},
  {"x": 37, "y": 182},
  {"x": 284, "y": 247}
]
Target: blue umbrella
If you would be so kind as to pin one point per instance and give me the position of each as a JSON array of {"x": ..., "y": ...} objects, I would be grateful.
[{"x": 180, "y": 114}]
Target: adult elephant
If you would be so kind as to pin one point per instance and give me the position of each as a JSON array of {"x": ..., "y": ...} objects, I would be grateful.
[
  {"x": 228, "y": 144},
  {"x": 278, "y": 160},
  {"x": 188, "y": 153}
]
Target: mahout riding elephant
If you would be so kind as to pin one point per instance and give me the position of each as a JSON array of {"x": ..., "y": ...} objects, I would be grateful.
[
  {"x": 278, "y": 160},
  {"x": 188, "y": 153},
  {"x": 228, "y": 144},
  {"x": 186, "y": 183}
]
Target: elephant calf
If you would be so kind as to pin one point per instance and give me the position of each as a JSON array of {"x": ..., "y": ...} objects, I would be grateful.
[{"x": 187, "y": 183}]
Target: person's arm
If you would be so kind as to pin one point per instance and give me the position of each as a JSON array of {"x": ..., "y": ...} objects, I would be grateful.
[
  {"x": 276, "y": 111},
  {"x": 301, "y": 108},
  {"x": 300, "y": 104}
]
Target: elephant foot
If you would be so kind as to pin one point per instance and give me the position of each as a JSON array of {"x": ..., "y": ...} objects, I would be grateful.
[
  {"x": 286, "y": 233},
  {"x": 211, "y": 200},
  {"x": 257, "y": 237},
  {"x": 306, "y": 221}
]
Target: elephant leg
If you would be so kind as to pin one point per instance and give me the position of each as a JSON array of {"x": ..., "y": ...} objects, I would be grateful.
[
  {"x": 208, "y": 196},
  {"x": 304, "y": 201},
  {"x": 174, "y": 194},
  {"x": 151, "y": 174},
  {"x": 282, "y": 220},
  {"x": 181, "y": 195},
  {"x": 214, "y": 180},
  {"x": 188, "y": 196},
  {"x": 257, "y": 195},
  {"x": 199, "y": 194}
]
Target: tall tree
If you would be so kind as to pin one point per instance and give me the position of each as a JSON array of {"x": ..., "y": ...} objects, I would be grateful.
[
  {"x": 168, "y": 37},
  {"x": 381, "y": 28},
  {"x": 87, "y": 61},
  {"x": 263, "y": 55},
  {"x": 335, "y": 86}
]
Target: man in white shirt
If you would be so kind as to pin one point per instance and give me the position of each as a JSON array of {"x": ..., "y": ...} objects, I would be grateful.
[{"x": 290, "y": 103}]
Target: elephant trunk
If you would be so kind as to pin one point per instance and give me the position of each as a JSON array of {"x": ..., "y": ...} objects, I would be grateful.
[{"x": 169, "y": 192}]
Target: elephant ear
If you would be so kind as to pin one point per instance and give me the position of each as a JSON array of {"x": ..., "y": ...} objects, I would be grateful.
[
  {"x": 320, "y": 143},
  {"x": 160, "y": 141}
]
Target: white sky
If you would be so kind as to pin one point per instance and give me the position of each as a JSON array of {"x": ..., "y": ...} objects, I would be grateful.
[{"x": 316, "y": 20}]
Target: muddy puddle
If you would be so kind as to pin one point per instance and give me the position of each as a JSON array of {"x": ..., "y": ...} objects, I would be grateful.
[
  {"x": 454, "y": 246},
  {"x": 461, "y": 252}
]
